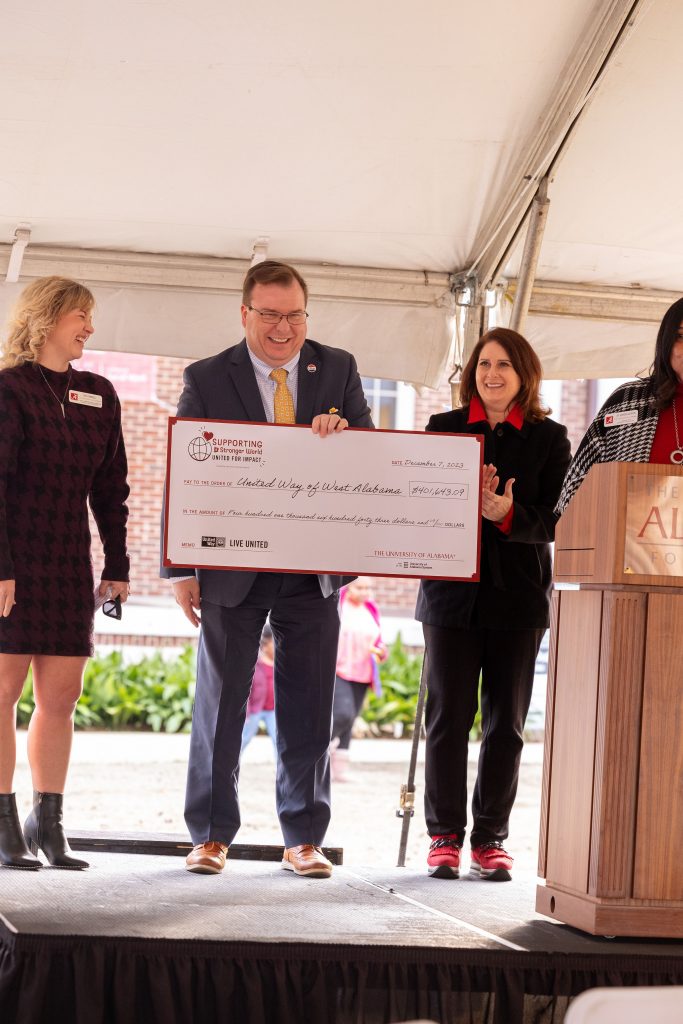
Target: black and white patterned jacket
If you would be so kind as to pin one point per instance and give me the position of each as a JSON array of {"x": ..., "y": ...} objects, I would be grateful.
[{"x": 621, "y": 442}]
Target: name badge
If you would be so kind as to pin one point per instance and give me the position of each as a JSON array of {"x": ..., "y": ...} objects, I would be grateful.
[
  {"x": 617, "y": 419},
  {"x": 85, "y": 398}
]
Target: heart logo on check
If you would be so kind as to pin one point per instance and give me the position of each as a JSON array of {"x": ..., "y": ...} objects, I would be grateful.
[{"x": 208, "y": 434}]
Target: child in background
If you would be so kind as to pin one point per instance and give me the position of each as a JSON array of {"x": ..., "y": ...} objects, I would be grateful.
[
  {"x": 360, "y": 650},
  {"x": 261, "y": 705}
]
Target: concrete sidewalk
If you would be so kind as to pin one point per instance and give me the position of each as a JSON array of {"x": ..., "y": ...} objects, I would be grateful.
[
  {"x": 94, "y": 747},
  {"x": 136, "y": 782}
]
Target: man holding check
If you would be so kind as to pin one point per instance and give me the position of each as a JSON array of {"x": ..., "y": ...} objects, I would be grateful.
[{"x": 274, "y": 375}]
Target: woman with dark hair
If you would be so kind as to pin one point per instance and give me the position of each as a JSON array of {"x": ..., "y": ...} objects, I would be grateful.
[
  {"x": 491, "y": 629},
  {"x": 60, "y": 449},
  {"x": 641, "y": 421}
]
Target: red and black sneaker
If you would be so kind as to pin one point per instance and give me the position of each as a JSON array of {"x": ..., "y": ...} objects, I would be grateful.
[
  {"x": 443, "y": 859},
  {"x": 491, "y": 862}
]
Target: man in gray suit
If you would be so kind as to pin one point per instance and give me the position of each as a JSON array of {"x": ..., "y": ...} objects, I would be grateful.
[{"x": 321, "y": 387}]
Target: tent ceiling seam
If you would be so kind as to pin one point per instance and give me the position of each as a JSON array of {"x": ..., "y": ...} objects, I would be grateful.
[
  {"x": 584, "y": 75},
  {"x": 225, "y": 276}
]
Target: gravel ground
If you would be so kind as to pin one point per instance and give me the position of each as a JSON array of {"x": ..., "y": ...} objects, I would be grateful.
[{"x": 135, "y": 782}]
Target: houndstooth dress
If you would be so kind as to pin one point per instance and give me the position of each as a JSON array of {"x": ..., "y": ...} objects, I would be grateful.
[
  {"x": 51, "y": 466},
  {"x": 625, "y": 442}
]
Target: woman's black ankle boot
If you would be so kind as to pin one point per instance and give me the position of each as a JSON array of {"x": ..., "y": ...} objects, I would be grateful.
[
  {"x": 44, "y": 831},
  {"x": 14, "y": 852}
]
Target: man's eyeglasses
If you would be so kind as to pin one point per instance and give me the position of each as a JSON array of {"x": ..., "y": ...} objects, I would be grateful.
[
  {"x": 112, "y": 607},
  {"x": 270, "y": 317}
]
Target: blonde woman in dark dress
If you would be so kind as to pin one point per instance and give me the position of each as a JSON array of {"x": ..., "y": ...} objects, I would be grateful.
[{"x": 61, "y": 449}]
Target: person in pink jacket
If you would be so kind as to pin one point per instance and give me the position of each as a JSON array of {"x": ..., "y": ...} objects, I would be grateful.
[{"x": 358, "y": 656}]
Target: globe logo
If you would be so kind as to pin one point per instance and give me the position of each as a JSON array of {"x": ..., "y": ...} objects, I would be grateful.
[{"x": 199, "y": 449}]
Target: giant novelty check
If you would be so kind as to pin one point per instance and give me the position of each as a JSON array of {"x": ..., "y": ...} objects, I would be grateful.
[{"x": 364, "y": 502}]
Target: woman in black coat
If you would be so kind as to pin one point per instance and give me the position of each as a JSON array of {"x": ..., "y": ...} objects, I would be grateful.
[{"x": 492, "y": 628}]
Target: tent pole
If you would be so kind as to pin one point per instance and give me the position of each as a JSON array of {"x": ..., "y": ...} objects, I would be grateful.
[
  {"x": 538, "y": 216},
  {"x": 476, "y": 324},
  {"x": 472, "y": 298},
  {"x": 407, "y": 799},
  {"x": 22, "y": 236}
]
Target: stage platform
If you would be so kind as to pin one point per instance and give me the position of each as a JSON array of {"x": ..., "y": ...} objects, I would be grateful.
[{"x": 138, "y": 938}]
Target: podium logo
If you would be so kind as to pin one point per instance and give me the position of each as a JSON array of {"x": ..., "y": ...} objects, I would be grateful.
[{"x": 665, "y": 526}]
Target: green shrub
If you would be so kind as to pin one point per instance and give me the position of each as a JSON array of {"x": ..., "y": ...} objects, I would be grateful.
[
  {"x": 400, "y": 676},
  {"x": 157, "y": 694},
  {"x": 153, "y": 693}
]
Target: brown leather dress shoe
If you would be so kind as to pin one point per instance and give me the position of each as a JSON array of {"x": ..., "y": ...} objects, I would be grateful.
[
  {"x": 307, "y": 860},
  {"x": 207, "y": 858}
]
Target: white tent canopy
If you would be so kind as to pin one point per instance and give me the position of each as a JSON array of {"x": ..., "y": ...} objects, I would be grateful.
[{"x": 149, "y": 147}]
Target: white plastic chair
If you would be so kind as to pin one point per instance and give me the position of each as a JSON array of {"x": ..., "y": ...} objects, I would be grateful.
[{"x": 663, "y": 1005}]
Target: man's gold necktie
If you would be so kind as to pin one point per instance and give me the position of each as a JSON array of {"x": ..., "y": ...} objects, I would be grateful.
[{"x": 283, "y": 405}]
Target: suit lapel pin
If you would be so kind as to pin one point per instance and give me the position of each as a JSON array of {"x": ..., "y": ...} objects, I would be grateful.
[{"x": 312, "y": 368}]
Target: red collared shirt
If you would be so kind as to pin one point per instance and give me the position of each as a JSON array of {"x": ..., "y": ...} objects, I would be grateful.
[
  {"x": 664, "y": 441},
  {"x": 515, "y": 418}
]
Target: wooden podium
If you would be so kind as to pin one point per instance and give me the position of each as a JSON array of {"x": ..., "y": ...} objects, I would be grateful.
[{"x": 611, "y": 845}]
